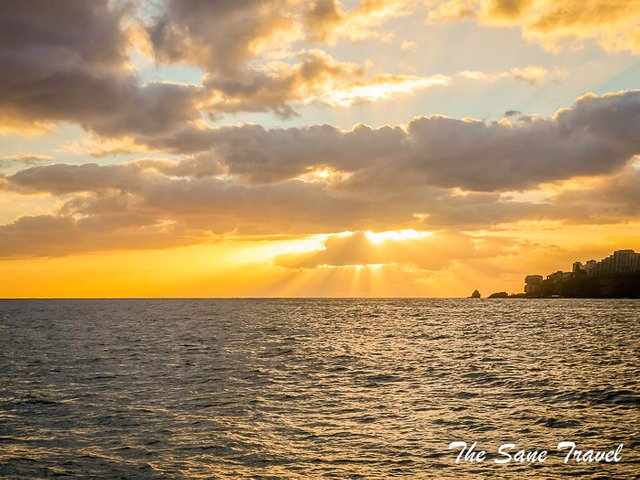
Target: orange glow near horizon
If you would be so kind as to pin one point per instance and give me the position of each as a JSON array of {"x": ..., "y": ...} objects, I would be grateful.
[
  {"x": 244, "y": 267},
  {"x": 399, "y": 235},
  {"x": 342, "y": 148}
]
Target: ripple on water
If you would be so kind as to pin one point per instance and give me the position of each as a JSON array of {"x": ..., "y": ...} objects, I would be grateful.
[{"x": 312, "y": 388}]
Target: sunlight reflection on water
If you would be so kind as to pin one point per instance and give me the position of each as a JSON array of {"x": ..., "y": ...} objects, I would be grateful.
[{"x": 313, "y": 388}]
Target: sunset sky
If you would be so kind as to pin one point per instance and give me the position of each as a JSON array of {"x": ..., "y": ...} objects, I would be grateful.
[{"x": 313, "y": 148}]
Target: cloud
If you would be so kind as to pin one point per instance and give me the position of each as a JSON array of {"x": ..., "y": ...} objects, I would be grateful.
[
  {"x": 195, "y": 192},
  {"x": 243, "y": 46},
  {"x": 381, "y": 87},
  {"x": 327, "y": 21},
  {"x": 221, "y": 37},
  {"x": 24, "y": 159},
  {"x": 404, "y": 163},
  {"x": 62, "y": 179},
  {"x": 128, "y": 206},
  {"x": 434, "y": 173},
  {"x": 9, "y": 124},
  {"x": 530, "y": 74},
  {"x": 316, "y": 78},
  {"x": 274, "y": 87},
  {"x": 450, "y": 10},
  {"x": 78, "y": 71},
  {"x": 99, "y": 146},
  {"x": 56, "y": 235},
  {"x": 408, "y": 46},
  {"x": 553, "y": 22},
  {"x": 597, "y": 135},
  {"x": 427, "y": 252},
  {"x": 609, "y": 199}
]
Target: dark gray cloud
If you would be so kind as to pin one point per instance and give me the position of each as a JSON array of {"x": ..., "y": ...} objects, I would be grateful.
[
  {"x": 60, "y": 179},
  {"x": 597, "y": 135},
  {"x": 67, "y": 61},
  {"x": 70, "y": 63},
  {"x": 219, "y": 35},
  {"x": 592, "y": 137}
]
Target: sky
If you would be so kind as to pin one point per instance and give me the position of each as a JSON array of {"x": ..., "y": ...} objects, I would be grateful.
[{"x": 222, "y": 148}]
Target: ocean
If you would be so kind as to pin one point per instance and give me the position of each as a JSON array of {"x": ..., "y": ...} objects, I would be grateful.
[{"x": 315, "y": 388}]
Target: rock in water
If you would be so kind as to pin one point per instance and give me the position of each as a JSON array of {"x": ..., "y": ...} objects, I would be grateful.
[{"x": 475, "y": 294}]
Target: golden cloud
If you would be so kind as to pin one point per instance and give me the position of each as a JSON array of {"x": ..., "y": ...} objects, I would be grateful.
[
  {"x": 614, "y": 24},
  {"x": 327, "y": 21},
  {"x": 530, "y": 74},
  {"x": 423, "y": 250}
]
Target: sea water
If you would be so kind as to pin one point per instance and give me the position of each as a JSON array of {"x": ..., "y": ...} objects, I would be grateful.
[{"x": 316, "y": 388}]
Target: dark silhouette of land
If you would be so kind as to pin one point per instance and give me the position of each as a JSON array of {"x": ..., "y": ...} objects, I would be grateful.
[
  {"x": 581, "y": 285},
  {"x": 499, "y": 295},
  {"x": 617, "y": 276}
]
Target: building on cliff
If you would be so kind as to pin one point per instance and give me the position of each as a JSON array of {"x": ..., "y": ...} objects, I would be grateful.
[
  {"x": 617, "y": 276},
  {"x": 532, "y": 284},
  {"x": 619, "y": 263}
]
